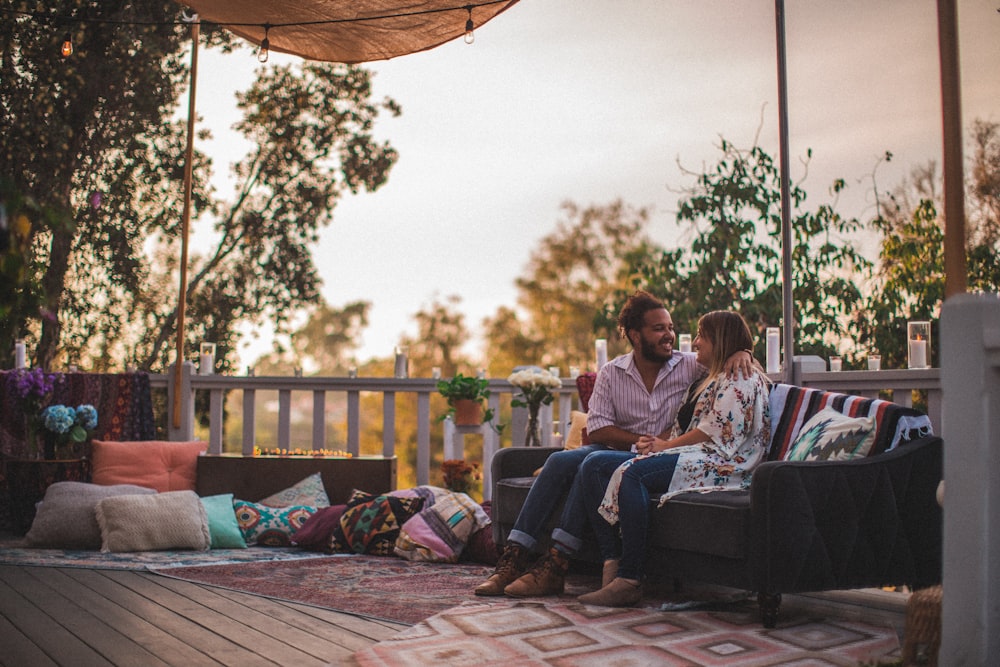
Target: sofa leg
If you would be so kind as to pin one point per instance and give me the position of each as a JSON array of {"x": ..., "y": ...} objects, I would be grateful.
[{"x": 769, "y": 603}]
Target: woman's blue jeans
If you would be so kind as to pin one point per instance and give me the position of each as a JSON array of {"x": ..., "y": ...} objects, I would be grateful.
[{"x": 644, "y": 478}]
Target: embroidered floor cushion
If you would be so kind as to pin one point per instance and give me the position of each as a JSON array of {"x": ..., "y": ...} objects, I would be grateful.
[
  {"x": 370, "y": 524},
  {"x": 270, "y": 526}
]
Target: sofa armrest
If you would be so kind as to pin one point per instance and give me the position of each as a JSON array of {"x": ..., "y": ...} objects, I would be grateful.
[
  {"x": 519, "y": 461},
  {"x": 872, "y": 521}
]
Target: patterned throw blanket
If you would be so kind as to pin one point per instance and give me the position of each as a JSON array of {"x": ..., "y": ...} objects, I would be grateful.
[{"x": 792, "y": 406}]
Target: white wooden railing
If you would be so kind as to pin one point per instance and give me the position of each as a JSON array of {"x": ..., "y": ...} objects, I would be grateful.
[{"x": 897, "y": 385}]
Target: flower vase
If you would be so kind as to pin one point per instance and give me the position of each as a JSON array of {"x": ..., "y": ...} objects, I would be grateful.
[{"x": 533, "y": 431}]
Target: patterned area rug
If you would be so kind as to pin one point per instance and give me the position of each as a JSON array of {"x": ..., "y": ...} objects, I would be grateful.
[
  {"x": 558, "y": 634},
  {"x": 12, "y": 552}
]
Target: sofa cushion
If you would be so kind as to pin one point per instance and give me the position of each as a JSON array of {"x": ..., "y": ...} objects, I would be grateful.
[
  {"x": 270, "y": 526},
  {"x": 727, "y": 513},
  {"x": 370, "y": 524},
  {"x": 66, "y": 517},
  {"x": 223, "y": 527},
  {"x": 315, "y": 533},
  {"x": 439, "y": 532},
  {"x": 156, "y": 464},
  {"x": 309, "y": 491},
  {"x": 831, "y": 436},
  {"x": 171, "y": 520}
]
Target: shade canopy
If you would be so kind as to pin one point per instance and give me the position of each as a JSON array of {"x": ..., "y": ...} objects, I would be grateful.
[{"x": 348, "y": 31}]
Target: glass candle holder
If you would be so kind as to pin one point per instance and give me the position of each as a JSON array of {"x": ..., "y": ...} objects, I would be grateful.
[
  {"x": 918, "y": 344},
  {"x": 773, "y": 349},
  {"x": 206, "y": 359},
  {"x": 874, "y": 362},
  {"x": 402, "y": 367},
  {"x": 684, "y": 342},
  {"x": 835, "y": 364}
]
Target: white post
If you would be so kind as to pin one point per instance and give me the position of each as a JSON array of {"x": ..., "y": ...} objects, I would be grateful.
[{"x": 970, "y": 383}]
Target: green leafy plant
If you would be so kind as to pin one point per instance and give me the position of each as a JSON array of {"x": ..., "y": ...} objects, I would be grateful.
[{"x": 468, "y": 388}]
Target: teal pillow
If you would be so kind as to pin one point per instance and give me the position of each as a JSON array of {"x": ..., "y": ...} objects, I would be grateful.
[{"x": 222, "y": 525}]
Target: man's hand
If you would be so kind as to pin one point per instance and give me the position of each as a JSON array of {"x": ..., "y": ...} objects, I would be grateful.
[{"x": 739, "y": 362}]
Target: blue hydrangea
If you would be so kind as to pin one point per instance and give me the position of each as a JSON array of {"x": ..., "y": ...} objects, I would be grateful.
[
  {"x": 58, "y": 418},
  {"x": 86, "y": 415}
]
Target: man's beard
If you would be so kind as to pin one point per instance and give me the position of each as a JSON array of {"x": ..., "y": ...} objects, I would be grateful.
[{"x": 651, "y": 353}]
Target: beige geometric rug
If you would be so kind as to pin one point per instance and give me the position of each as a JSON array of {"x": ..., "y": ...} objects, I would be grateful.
[{"x": 565, "y": 634}]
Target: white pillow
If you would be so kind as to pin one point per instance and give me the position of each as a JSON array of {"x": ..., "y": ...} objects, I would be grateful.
[
  {"x": 830, "y": 435},
  {"x": 170, "y": 520}
]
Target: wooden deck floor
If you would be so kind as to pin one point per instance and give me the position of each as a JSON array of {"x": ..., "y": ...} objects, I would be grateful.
[{"x": 79, "y": 617}]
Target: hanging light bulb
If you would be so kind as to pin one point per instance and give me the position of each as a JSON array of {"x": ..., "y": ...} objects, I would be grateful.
[
  {"x": 470, "y": 36},
  {"x": 265, "y": 45},
  {"x": 67, "y": 46}
]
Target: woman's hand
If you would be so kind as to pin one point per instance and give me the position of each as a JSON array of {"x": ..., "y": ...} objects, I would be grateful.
[
  {"x": 649, "y": 444},
  {"x": 740, "y": 362}
]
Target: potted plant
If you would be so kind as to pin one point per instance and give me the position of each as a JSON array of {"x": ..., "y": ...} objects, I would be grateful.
[{"x": 466, "y": 399}]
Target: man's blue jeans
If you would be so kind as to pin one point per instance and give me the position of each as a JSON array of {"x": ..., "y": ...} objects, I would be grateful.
[
  {"x": 559, "y": 479},
  {"x": 643, "y": 479}
]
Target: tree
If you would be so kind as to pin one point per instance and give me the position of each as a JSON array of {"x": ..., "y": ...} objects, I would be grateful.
[
  {"x": 100, "y": 149},
  {"x": 734, "y": 260},
  {"x": 567, "y": 281},
  {"x": 909, "y": 279}
]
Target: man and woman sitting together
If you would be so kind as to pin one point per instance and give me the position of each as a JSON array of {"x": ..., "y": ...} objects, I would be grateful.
[{"x": 661, "y": 422}]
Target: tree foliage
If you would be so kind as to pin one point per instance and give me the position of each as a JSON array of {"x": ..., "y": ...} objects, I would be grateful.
[
  {"x": 90, "y": 135},
  {"x": 567, "y": 281},
  {"x": 733, "y": 261}
]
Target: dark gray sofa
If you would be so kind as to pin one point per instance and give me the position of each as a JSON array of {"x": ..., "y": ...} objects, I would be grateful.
[{"x": 802, "y": 526}]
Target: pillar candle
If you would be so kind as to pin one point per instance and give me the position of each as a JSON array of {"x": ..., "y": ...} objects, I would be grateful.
[
  {"x": 601, "y": 349},
  {"x": 773, "y": 350},
  {"x": 19, "y": 354},
  {"x": 685, "y": 342},
  {"x": 918, "y": 353}
]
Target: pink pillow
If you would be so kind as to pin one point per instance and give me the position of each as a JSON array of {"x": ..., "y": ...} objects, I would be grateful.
[{"x": 155, "y": 464}]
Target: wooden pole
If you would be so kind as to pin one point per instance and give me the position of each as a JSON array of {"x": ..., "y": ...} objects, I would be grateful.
[
  {"x": 787, "y": 294},
  {"x": 186, "y": 221},
  {"x": 955, "y": 272}
]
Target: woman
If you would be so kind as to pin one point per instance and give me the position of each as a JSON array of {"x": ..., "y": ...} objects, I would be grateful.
[{"x": 719, "y": 436}]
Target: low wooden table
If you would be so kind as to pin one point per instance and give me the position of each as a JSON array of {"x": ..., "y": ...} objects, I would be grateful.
[{"x": 254, "y": 477}]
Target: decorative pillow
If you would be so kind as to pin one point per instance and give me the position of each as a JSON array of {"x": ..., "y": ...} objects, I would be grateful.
[
  {"x": 371, "y": 526},
  {"x": 315, "y": 533},
  {"x": 309, "y": 492},
  {"x": 157, "y": 464},
  {"x": 439, "y": 533},
  {"x": 171, "y": 520},
  {"x": 66, "y": 516},
  {"x": 270, "y": 526},
  {"x": 577, "y": 430},
  {"x": 481, "y": 548},
  {"x": 222, "y": 525},
  {"x": 830, "y": 435}
]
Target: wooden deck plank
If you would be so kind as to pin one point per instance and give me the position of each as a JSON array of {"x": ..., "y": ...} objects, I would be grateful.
[
  {"x": 93, "y": 594},
  {"x": 268, "y": 617},
  {"x": 18, "y": 650},
  {"x": 217, "y": 649},
  {"x": 254, "y": 631},
  {"x": 350, "y": 632},
  {"x": 35, "y": 622}
]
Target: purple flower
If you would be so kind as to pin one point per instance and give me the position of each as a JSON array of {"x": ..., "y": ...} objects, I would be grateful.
[{"x": 35, "y": 386}]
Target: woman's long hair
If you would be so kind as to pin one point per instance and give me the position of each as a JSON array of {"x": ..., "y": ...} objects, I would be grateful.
[{"x": 728, "y": 332}]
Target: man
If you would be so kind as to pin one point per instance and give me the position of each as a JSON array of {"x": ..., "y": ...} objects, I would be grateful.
[{"x": 635, "y": 394}]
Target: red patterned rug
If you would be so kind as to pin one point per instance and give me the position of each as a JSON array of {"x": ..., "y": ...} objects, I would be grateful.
[{"x": 564, "y": 634}]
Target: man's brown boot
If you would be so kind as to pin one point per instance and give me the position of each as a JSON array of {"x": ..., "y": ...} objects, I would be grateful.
[
  {"x": 512, "y": 564},
  {"x": 546, "y": 577}
]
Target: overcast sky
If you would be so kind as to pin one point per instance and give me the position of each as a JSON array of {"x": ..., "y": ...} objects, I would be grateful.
[{"x": 591, "y": 101}]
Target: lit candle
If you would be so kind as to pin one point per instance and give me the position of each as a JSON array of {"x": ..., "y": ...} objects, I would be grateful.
[
  {"x": 835, "y": 364},
  {"x": 352, "y": 372},
  {"x": 401, "y": 370},
  {"x": 874, "y": 362},
  {"x": 554, "y": 371},
  {"x": 601, "y": 349},
  {"x": 685, "y": 342},
  {"x": 206, "y": 359},
  {"x": 19, "y": 353},
  {"x": 773, "y": 349},
  {"x": 918, "y": 353},
  {"x": 574, "y": 372},
  {"x": 436, "y": 372}
]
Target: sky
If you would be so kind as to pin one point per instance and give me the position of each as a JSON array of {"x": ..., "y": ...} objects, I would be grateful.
[{"x": 589, "y": 102}]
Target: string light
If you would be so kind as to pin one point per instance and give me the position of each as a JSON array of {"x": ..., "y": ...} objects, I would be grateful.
[
  {"x": 67, "y": 46},
  {"x": 470, "y": 36},
  {"x": 265, "y": 45}
]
